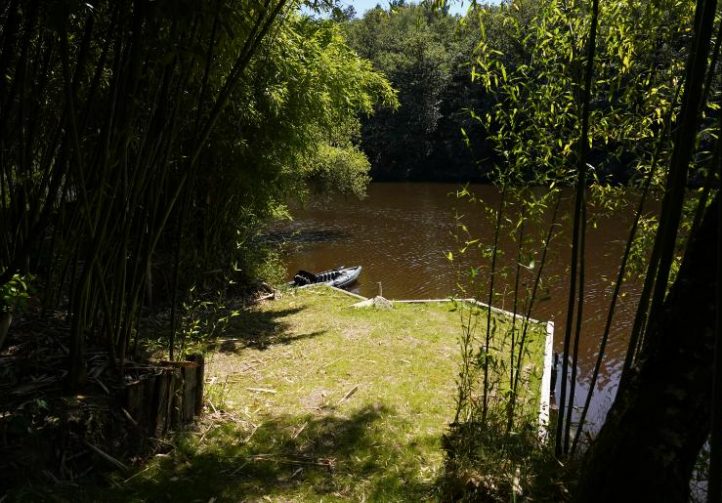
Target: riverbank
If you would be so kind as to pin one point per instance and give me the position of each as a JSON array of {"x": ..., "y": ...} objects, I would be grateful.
[
  {"x": 402, "y": 235},
  {"x": 310, "y": 398}
]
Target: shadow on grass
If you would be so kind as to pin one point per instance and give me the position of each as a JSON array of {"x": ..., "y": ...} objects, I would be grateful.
[
  {"x": 289, "y": 458},
  {"x": 258, "y": 329}
]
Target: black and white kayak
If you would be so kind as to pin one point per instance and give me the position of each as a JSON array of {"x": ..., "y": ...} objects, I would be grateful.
[{"x": 339, "y": 277}]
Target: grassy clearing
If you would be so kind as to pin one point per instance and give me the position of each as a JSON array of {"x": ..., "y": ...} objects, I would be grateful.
[{"x": 320, "y": 402}]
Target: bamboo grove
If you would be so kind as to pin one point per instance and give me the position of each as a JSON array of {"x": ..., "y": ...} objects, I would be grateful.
[
  {"x": 134, "y": 141},
  {"x": 581, "y": 90}
]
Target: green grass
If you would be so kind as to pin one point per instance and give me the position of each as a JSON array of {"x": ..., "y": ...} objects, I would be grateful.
[{"x": 292, "y": 431}]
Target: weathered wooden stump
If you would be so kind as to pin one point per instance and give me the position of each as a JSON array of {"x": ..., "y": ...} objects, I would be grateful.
[{"x": 166, "y": 396}]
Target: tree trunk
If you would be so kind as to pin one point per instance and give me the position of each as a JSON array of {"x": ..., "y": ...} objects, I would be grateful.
[{"x": 661, "y": 417}]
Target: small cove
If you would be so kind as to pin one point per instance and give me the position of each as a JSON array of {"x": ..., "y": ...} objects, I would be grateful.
[{"x": 401, "y": 234}]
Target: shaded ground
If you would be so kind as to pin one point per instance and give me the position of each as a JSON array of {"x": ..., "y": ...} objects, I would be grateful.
[{"x": 312, "y": 400}]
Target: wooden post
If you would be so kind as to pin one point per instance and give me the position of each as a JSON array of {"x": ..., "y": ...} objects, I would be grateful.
[
  {"x": 139, "y": 402},
  {"x": 190, "y": 383},
  {"x": 162, "y": 402},
  {"x": 133, "y": 399},
  {"x": 200, "y": 381},
  {"x": 175, "y": 394}
]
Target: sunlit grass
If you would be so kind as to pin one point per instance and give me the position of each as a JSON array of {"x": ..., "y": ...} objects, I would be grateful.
[{"x": 323, "y": 402}]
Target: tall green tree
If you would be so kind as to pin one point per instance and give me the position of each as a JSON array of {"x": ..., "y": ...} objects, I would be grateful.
[
  {"x": 424, "y": 53},
  {"x": 291, "y": 128}
]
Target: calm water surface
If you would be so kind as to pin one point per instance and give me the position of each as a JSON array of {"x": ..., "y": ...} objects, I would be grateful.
[{"x": 401, "y": 233}]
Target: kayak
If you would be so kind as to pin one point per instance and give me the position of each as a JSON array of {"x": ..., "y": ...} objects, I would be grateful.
[{"x": 339, "y": 277}]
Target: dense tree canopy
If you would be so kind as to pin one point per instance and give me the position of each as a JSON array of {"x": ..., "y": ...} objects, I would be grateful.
[
  {"x": 425, "y": 54},
  {"x": 291, "y": 127}
]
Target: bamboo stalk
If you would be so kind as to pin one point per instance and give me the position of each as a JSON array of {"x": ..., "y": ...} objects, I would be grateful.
[
  {"x": 532, "y": 297},
  {"x": 520, "y": 239},
  {"x": 490, "y": 302},
  {"x": 578, "y": 328},
  {"x": 561, "y": 449},
  {"x": 686, "y": 132},
  {"x": 714, "y": 492},
  {"x": 622, "y": 271}
]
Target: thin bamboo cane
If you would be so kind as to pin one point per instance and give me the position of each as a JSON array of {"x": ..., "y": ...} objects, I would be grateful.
[
  {"x": 621, "y": 273},
  {"x": 532, "y": 297},
  {"x": 578, "y": 328},
  {"x": 490, "y": 301},
  {"x": 520, "y": 239},
  {"x": 562, "y": 434},
  {"x": 714, "y": 490}
]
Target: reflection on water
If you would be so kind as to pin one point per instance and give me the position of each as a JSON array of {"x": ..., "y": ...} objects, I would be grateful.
[{"x": 402, "y": 232}]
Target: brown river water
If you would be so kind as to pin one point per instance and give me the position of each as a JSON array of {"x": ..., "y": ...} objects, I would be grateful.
[{"x": 401, "y": 233}]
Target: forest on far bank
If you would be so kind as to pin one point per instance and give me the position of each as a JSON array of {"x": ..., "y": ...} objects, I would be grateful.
[
  {"x": 424, "y": 52},
  {"x": 442, "y": 130}
]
